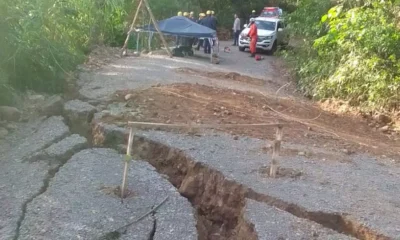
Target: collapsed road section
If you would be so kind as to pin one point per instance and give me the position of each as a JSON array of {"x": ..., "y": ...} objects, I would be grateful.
[
  {"x": 213, "y": 184},
  {"x": 217, "y": 174},
  {"x": 81, "y": 203}
]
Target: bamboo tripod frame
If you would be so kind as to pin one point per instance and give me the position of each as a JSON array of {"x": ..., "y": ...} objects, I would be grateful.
[{"x": 124, "y": 47}]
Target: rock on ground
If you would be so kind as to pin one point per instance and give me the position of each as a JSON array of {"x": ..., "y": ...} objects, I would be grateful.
[
  {"x": 79, "y": 115},
  {"x": 108, "y": 135},
  {"x": 9, "y": 113},
  {"x": 3, "y": 132},
  {"x": 272, "y": 223},
  {"x": 80, "y": 203},
  {"x": 52, "y": 106}
]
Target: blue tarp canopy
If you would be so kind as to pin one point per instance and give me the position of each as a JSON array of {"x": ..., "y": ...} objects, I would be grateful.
[{"x": 181, "y": 26}]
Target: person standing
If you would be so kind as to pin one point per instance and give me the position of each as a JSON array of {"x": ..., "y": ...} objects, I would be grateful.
[
  {"x": 191, "y": 16},
  {"x": 178, "y": 39},
  {"x": 253, "y": 37},
  {"x": 208, "y": 22},
  {"x": 186, "y": 41},
  {"x": 214, "y": 23},
  {"x": 215, "y": 20},
  {"x": 236, "y": 30},
  {"x": 200, "y": 42},
  {"x": 252, "y": 15},
  {"x": 201, "y": 17}
]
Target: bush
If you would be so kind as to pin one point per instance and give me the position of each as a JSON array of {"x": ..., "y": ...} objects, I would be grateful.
[
  {"x": 44, "y": 40},
  {"x": 354, "y": 55}
]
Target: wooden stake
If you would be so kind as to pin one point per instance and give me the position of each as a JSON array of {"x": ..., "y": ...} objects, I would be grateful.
[
  {"x": 157, "y": 28},
  {"x": 123, "y": 50},
  {"x": 276, "y": 149},
  {"x": 127, "y": 160}
]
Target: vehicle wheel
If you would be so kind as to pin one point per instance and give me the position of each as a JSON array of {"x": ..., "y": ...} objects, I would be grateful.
[{"x": 242, "y": 49}]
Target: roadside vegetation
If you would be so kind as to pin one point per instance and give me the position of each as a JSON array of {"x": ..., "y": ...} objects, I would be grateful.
[
  {"x": 349, "y": 51},
  {"x": 42, "y": 41},
  {"x": 349, "y": 48}
]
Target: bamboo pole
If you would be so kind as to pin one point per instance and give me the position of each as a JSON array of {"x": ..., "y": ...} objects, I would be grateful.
[
  {"x": 143, "y": 124},
  {"x": 157, "y": 28},
  {"x": 128, "y": 158},
  {"x": 123, "y": 50},
  {"x": 150, "y": 35},
  {"x": 276, "y": 149}
]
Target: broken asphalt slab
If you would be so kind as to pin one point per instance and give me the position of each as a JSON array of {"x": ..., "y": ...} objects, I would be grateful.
[
  {"x": 20, "y": 180},
  {"x": 48, "y": 132},
  {"x": 332, "y": 188},
  {"x": 78, "y": 203},
  {"x": 272, "y": 223},
  {"x": 79, "y": 115},
  {"x": 330, "y": 192}
]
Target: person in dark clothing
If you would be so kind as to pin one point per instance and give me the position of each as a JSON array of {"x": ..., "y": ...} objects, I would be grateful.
[
  {"x": 214, "y": 23},
  {"x": 214, "y": 20},
  {"x": 208, "y": 22},
  {"x": 191, "y": 40},
  {"x": 253, "y": 15},
  {"x": 200, "y": 42},
  {"x": 191, "y": 16}
]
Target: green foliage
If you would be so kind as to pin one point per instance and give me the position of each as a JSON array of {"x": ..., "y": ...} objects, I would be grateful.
[
  {"x": 44, "y": 40},
  {"x": 304, "y": 21},
  {"x": 353, "y": 56}
]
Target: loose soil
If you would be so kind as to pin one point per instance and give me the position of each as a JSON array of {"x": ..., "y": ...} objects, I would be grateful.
[
  {"x": 225, "y": 76},
  {"x": 306, "y": 123}
]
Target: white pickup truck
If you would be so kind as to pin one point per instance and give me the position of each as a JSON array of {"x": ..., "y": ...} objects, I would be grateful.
[{"x": 271, "y": 33}]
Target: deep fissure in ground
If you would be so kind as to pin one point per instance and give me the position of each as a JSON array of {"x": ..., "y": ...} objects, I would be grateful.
[{"x": 220, "y": 203}]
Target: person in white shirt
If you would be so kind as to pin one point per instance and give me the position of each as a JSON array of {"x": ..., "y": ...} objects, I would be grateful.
[{"x": 236, "y": 30}]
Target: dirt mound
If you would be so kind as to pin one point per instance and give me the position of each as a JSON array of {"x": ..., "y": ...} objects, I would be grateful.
[
  {"x": 225, "y": 76},
  {"x": 199, "y": 104}
]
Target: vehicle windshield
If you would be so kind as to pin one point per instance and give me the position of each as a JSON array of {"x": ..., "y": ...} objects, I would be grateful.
[
  {"x": 269, "y": 14},
  {"x": 265, "y": 25}
]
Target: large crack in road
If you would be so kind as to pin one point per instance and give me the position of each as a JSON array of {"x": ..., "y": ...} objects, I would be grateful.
[{"x": 220, "y": 202}]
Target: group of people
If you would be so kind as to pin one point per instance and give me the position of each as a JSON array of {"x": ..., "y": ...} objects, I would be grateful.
[
  {"x": 252, "y": 34},
  {"x": 208, "y": 20}
]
